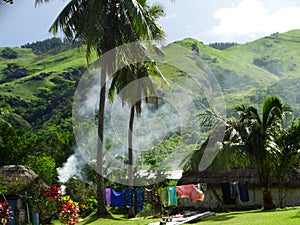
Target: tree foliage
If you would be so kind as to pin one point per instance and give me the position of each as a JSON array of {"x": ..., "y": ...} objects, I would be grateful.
[
  {"x": 13, "y": 71},
  {"x": 50, "y": 46},
  {"x": 43, "y": 165},
  {"x": 258, "y": 140},
  {"x": 8, "y": 53},
  {"x": 222, "y": 45}
]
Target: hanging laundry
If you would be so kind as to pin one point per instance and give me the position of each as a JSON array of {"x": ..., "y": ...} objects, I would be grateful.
[
  {"x": 172, "y": 196},
  {"x": 140, "y": 199},
  {"x": 108, "y": 196},
  {"x": 244, "y": 194},
  {"x": 226, "y": 194},
  {"x": 117, "y": 198},
  {"x": 129, "y": 197},
  {"x": 149, "y": 195},
  {"x": 164, "y": 196},
  {"x": 234, "y": 189},
  {"x": 190, "y": 191}
]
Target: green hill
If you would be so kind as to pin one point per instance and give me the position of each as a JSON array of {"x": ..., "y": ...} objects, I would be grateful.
[
  {"x": 249, "y": 72},
  {"x": 39, "y": 88}
]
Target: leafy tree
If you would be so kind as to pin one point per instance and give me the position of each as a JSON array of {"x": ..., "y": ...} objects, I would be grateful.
[
  {"x": 43, "y": 165},
  {"x": 12, "y": 148},
  {"x": 9, "y": 53}
]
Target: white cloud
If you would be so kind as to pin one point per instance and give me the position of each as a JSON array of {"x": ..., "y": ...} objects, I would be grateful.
[{"x": 250, "y": 19}]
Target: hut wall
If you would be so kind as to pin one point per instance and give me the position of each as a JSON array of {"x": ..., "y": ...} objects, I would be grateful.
[{"x": 291, "y": 197}]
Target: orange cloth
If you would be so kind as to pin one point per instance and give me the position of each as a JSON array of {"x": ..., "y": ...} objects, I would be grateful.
[{"x": 190, "y": 191}]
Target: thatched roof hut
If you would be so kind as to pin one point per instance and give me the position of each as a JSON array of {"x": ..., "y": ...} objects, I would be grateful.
[
  {"x": 215, "y": 177},
  {"x": 19, "y": 178},
  {"x": 22, "y": 172}
]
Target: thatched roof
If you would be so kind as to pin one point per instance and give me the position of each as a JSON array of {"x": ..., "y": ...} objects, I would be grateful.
[
  {"x": 22, "y": 172},
  {"x": 18, "y": 179},
  {"x": 241, "y": 175}
]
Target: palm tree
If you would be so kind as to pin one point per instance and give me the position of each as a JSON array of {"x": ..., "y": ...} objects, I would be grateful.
[
  {"x": 258, "y": 139},
  {"x": 251, "y": 140},
  {"x": 104, "y": 25},
  {"x": 133, "y": 84}
]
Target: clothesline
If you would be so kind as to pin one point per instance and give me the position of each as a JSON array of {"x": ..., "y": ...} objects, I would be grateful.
[{"x": 167, "y": 196}]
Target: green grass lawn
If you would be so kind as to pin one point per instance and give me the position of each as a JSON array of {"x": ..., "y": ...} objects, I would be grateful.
[{"x": 287, "y": 216}]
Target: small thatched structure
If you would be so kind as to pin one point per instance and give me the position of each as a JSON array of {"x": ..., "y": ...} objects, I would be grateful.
[
  {"x": 22, "y": 172},
  {"x": 20, "y": 181},
  {"x": 286, "y": 194}
]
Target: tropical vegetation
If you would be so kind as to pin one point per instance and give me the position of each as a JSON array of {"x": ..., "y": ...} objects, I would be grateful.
[
  {"x": 38, "y": 80},
  {"x": 255, "y": 139}
]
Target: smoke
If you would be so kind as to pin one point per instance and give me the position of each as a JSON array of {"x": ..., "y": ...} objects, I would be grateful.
[
  {"x": 175, "y": 114},
  {"x": 72, "y": 168}
]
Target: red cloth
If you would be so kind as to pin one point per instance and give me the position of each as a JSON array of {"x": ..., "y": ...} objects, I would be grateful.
[{"x": 190, "y": 191}]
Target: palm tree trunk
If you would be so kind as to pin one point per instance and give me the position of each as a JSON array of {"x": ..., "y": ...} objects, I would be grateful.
[
  {"x": 131, "y": 212},
  {"x": 268, "y": 199},
  {"x": 101, "y": 209},
  {"x": 264, "y": 177}
]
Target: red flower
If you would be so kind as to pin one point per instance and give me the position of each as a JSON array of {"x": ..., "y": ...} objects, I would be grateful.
[
  {"x": 6, "y": 213},
  {"x": 53, "y": 193}
]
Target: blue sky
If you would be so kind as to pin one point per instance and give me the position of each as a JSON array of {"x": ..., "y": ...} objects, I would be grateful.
[{"x": 208, "y": 21}]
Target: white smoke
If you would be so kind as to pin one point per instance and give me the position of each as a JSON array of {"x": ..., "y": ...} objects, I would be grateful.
[{"x": 72, "y": 167}]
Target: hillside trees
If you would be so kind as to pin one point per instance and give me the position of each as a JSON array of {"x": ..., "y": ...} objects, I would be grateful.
[
  {"x": 13, "y": 71},
  {"x": 222, "y": 45},
  {"x": 8, "y": 53},
  {"x": 42, "y": 150},
  {"x": 49, "y": 46}
]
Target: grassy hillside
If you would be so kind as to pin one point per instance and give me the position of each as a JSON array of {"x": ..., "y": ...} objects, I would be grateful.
[
  {"x": 249, "y": 72},
  {"x": 46, "y": 87},
  {"x": 246, "y": 73}
]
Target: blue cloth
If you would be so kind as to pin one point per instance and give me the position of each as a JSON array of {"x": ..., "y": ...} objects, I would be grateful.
[
  {"x": 172, "y": 196},
  {"x": 129, "y": 197},
  {"x": 140, "y": 199},
  {"x": 244, "y": 195},
  {"x": 117, "y": 198}
]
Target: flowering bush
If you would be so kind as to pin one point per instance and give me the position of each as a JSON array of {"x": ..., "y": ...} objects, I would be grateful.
[
  {"x": 6, "y": 214},
  {"x": 69, "y": 211}
]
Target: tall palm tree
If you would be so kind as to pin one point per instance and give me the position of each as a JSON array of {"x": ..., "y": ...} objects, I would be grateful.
[
  {"x": 104, "y": 25},
  {"x": 133, "y": 85},
  {"x": 251, "y": 140}
]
